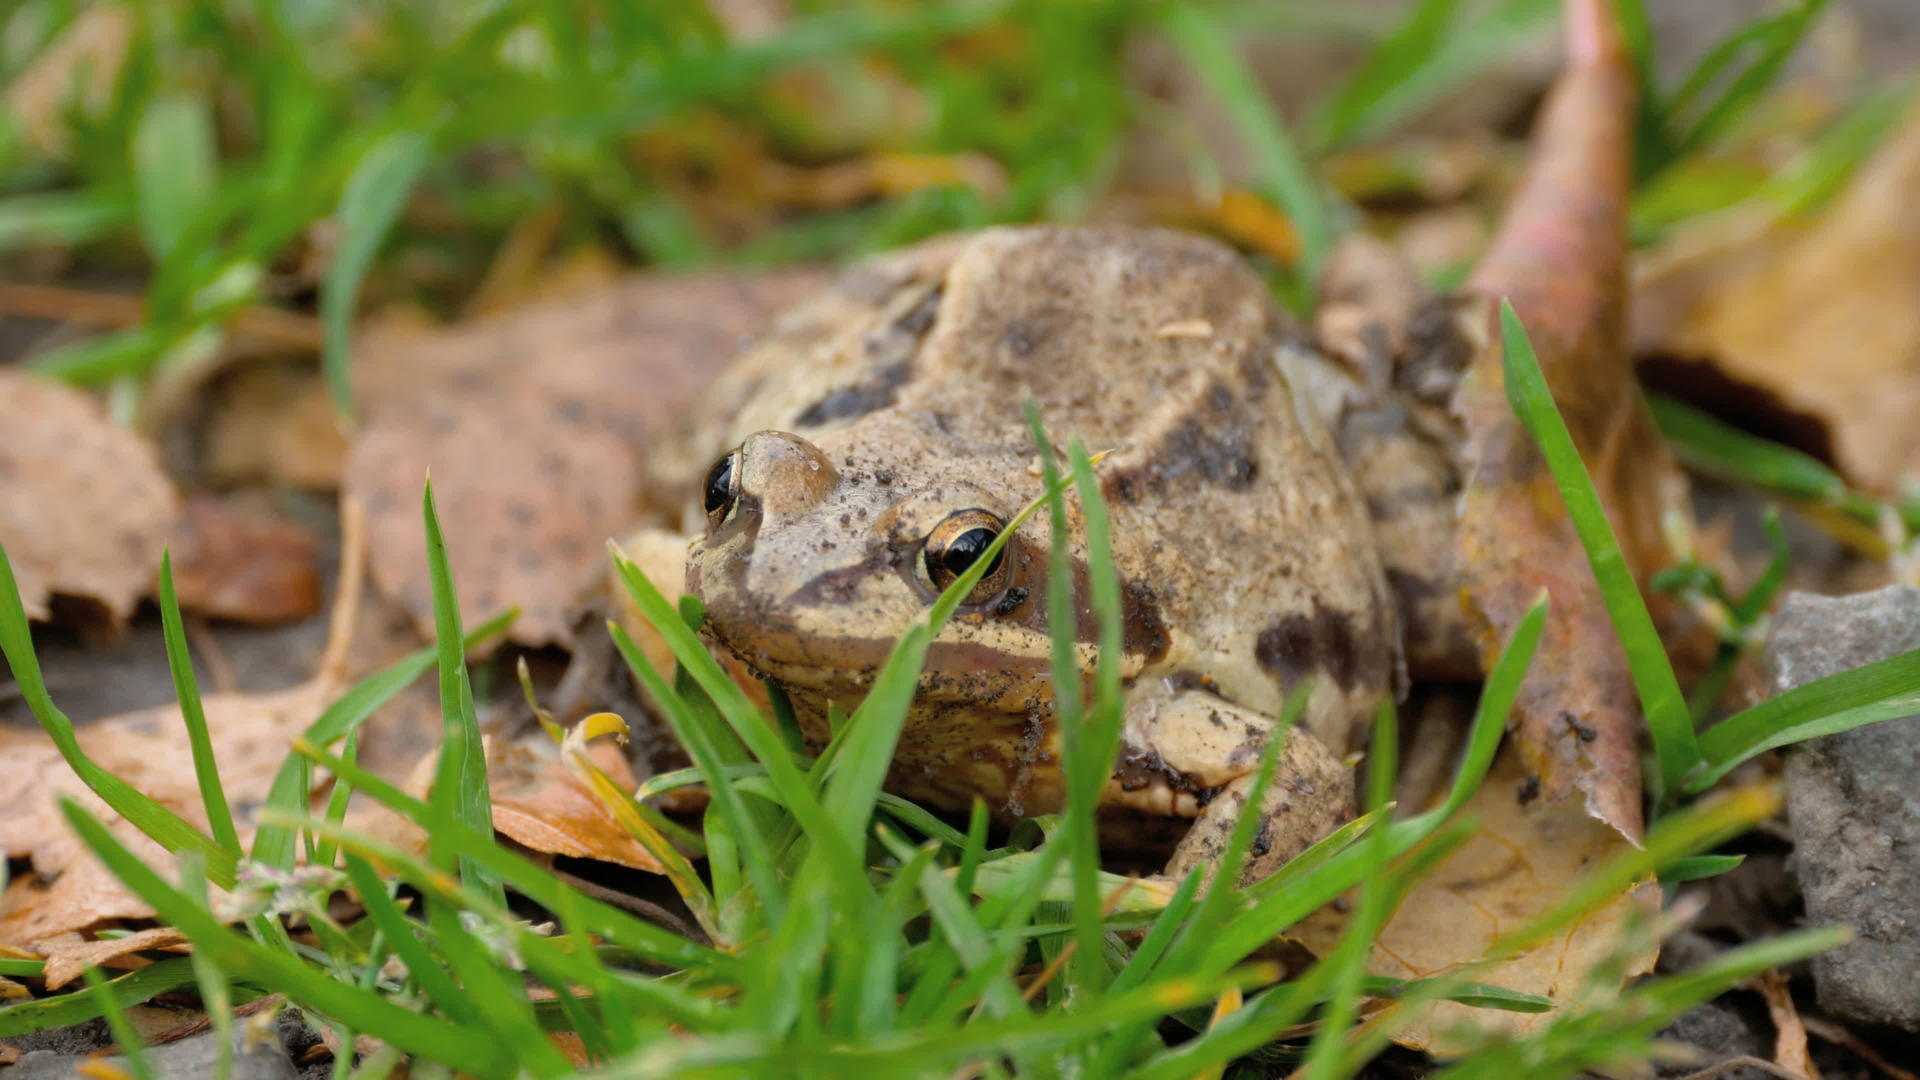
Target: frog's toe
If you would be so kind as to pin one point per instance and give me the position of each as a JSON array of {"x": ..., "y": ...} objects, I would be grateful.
[{"x": 1312, "y": 794}]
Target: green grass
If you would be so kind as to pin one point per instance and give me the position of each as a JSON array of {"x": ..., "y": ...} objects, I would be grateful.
[
  {"x": 846, "y": 929},
  {"x": 845, "y": 937},
  {"x": 405, "y": 142}
]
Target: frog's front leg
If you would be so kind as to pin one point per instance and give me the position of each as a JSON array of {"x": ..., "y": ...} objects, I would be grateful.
[{"x": 1190, "y": 750}]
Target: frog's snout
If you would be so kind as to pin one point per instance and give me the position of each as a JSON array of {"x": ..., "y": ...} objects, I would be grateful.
[{"x": 782, "y": 474}]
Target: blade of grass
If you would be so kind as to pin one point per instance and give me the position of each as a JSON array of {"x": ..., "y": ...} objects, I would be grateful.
[
  {"x": 165, "y": 827},
  {"x": 535, "y": 883},
  {"x": 1428, "y": 56},
  {"x": 1087, "y": 749},
  {"x": 206, "y": 771},
  {"x": 704, "y": 742},
  {"x": 241, "y": 957},
  {"x": 175, "y": 168},
  {"x": 1696, "y": 867},
  {"x": 1668, "y": 720},
  {"x": 66, "y": 1010},
  {"x": 369, "y": 205},
  {"x": 747, "y": 725},
  {"x": 132, "y": 1050},
  {"x": 1771, "y": 41},
  {"x": 1208, "y": 49},
  {"x": 274, "y": 846},
  {"x": 1708, "y": 445},
  {"x": 496, "y": 992},
  {"x": 422, "y": 967},
  {"x": 60, "y": 219},
  {"x": 1350, "y": 956},
  {"x": 460, "y": 792},
  {"x": 216, "y": 996},
  {"x": 1886, "y": 690},
  {"x": 552, "y": 959}
]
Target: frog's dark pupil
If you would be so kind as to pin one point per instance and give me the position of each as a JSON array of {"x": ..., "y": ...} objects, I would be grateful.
[
  {"x": 720, "y": 484},
  {"x": 966, "y": 549}
]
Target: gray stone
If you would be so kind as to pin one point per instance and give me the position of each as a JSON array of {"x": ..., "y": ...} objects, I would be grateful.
[
  {"x": 192, "y": 1058},
  {"x": 1853, "y": 801},
  {"x": 1717, "y": 1031}
]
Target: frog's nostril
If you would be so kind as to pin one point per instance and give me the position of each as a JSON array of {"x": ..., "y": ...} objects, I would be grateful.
[{"x": 784, "y": 473}]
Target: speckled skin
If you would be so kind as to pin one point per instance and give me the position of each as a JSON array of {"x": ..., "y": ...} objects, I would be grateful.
[{"x": 1247, "y": 554}]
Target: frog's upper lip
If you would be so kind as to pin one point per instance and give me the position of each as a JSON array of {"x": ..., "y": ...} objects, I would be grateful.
[{"x": 775, "y": 647}]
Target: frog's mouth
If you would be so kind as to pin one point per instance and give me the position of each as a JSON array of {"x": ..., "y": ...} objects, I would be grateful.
[
  {"x": 794, "y": 614},
  {"x": 835, "y": 632}
]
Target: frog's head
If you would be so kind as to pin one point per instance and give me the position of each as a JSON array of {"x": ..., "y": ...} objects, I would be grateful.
[{"x": 811, "y": 572}]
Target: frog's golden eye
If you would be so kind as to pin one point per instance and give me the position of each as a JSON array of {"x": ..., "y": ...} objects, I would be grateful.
[
  {"x": 723, "y": 486},
  {"x": 957, "y": 543}
]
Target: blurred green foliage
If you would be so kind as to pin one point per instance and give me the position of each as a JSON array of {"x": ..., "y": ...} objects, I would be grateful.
[{"x": 234, "y": 151}]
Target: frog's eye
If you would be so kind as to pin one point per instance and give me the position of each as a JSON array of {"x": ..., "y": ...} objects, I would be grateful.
[
  {"x": 723, "y": 486},
  {"x": 957, "y": 543}
]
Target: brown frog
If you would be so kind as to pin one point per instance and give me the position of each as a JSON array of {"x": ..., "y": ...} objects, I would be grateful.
[{"x": 1281, "y": 510}]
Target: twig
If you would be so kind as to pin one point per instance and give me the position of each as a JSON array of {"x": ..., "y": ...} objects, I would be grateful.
[
  {"x": 1066, "y": 953},
  {"x": 352, "y": 583},
  {"x": 646, "y": 909},
  {"x": 1847, "y": 1040},
  {"x": 58, "y": 303},
  {"x": 1743, "y": 1061},
  {"x": 207, "y": 644},
  {"x": 1790, "y": 1038}
]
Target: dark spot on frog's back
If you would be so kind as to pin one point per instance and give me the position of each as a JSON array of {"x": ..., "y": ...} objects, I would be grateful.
[
  {"x": 1142, "y": 630},
  {"x": 1324, "y": 642},
  {"x": 889, "y": 350},
  {"x": 876, "y": 391},
  {"x": 1217, "y": 449}
]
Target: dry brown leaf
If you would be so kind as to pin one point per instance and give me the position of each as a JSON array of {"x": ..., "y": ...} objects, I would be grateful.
[
  {"x": 234, "y": 563},
  {"x": 68, "y": 960},
  {"x": 1560, "y": 257},
  {"x": 1819, "y": 319},
  {"x": 69, "y": 890},
  {"x": 1526, "y": 858},
  {"x": 539, "y": 803},
  {"x": 534, "y": 424},
  {"x": 84, "y": 505},
  {"x": 79, "y": 67},
  {"x": 272, "y": 423}
]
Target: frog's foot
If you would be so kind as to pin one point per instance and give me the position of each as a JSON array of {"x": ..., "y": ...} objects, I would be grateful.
[{"x": 1197, "y": 752}]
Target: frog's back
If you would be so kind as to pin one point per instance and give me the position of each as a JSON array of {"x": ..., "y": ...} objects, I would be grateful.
[{"x": 1237, "y": 529}]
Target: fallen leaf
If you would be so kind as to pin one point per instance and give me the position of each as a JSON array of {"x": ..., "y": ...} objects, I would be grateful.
[
  {"x": 534, "y": 424},
  {"x": 537, "y": 803},
  {"x": 272, "y": 423},
  {"x": 1527, "y": 857},
  {"x": 1560, "y": 257},
  {"x": 69, "y": 960},
  {"x": 84, "y": 506},
  {"x": 1815, "y": 321},
  {"x": 233, "y": 563},
  {"x": 68, "y": 889},
  {"x": 540, "y": 803}
]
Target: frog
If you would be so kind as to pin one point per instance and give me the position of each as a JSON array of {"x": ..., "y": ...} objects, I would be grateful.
[{"x": 1279, "y": 498}]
